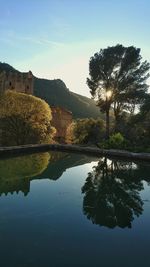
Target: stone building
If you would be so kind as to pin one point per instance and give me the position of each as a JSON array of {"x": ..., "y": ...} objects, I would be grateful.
[
  {"x": 61, "y": 119},
  {"x": 20, "y": 82}
]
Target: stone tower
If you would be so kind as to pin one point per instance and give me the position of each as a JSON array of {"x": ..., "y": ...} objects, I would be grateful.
[{"x": 17, "y": 81}]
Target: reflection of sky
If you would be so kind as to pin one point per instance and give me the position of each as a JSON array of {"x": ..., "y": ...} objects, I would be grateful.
[
  {"x": 55, "y": 39},
  {"x": 74, "y": 176},
  {"x": 145, "y": 193},
  {"x": 145, "y": 218}
]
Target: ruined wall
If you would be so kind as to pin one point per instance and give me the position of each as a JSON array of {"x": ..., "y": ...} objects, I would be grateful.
[
  {"x": 20, "y": 82},
  {"x": 61, "y": 119}
]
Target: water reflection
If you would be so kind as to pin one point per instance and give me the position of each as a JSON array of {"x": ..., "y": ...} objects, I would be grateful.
[
  {"x": 112, "y": 193},
  {"x": 17, "y": 173}
]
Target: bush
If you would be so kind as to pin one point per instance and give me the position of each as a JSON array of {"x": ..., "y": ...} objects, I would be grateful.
[
  {"x": 86, "y": 131},
  {"x": 116, "y": 141}
]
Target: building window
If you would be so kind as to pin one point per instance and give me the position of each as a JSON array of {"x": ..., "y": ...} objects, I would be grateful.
[{"x": 27, "y": 89}]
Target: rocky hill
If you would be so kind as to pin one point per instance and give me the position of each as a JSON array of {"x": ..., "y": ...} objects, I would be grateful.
[{"x": 55, "y": 93}]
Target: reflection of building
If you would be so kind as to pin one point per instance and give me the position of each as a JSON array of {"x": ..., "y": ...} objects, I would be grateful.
[
  {"x": 20, "y": 82},
  {"x": 61, "y": 119},
  {"x": 16, "y": 185}
]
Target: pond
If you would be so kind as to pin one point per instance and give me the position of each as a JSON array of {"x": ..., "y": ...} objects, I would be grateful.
[{"x": 59, "y": 210}]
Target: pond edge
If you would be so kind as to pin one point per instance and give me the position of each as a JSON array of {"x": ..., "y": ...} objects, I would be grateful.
[{"x": 23, "y": 149}]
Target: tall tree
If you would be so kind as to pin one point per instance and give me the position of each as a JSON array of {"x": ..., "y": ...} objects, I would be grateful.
[{"x": 118, "y": 80}]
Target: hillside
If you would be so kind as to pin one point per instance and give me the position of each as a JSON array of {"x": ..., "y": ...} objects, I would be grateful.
[
  {"x": 6, "y": 67},
  {"x": 55, "y": 93}
]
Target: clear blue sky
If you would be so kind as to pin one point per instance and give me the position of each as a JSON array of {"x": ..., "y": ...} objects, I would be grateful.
[{"x": 55, "y": 38}]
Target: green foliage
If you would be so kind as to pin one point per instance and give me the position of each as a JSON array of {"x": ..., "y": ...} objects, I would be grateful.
[
  {"x": 15, "y": 130},
  {"x": 116, "y": 141},
  {"x": 24, "y": 119},
  {"x": 87, "y": 131},
  {"x": 138, "y": 132}
]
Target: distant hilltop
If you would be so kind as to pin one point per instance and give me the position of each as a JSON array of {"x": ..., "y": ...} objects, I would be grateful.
[{"x": 54, "y": 92}]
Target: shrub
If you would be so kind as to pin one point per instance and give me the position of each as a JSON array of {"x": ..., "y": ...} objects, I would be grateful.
[
  {"x": 116, "y": 141},
  {"x": 86, "y": 131}
]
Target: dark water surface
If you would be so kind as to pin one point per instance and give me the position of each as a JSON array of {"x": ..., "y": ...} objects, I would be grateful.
[{"x": 59, "y": 210}]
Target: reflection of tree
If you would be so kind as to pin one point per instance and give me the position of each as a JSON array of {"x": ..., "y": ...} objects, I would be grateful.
[
  {"x": 111, "y": 194},
  {"x": 16, "y": 173}
]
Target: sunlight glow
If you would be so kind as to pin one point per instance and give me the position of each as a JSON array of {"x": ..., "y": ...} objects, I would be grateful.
[{"x": 108, "y": 94}]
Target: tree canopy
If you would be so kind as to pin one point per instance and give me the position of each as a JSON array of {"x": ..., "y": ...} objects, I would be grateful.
[
  {"x": 118, "y": 79},
  {"x": 24, "y": 119}
]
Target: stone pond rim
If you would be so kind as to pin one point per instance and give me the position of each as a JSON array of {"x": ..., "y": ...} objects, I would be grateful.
[{"x": 111, "y": 153}]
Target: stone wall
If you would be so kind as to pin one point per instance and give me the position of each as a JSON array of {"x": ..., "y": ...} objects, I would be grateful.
[
  {"x": 61, "y": 119},
  {"x": 94, "y": 151},
  {"x": 20, "y": 82}
]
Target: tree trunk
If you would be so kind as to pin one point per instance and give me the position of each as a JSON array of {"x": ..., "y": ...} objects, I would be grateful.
[
  {"x": 107, "y": 124},
  {"x": 117, "y": 124},
  {"x": 117, "y": 113}
]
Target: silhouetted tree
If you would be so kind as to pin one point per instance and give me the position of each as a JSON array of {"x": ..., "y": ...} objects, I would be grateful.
[
  {"x": 145, "y": 108},
  {"x": 117, "y": 79}
]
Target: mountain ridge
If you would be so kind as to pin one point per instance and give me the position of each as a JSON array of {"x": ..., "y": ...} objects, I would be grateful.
[{"x": 56, "y": 93}]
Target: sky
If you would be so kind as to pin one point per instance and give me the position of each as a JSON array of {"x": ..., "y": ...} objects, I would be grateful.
[{"x": 56, "y": 38}]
